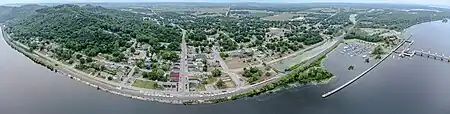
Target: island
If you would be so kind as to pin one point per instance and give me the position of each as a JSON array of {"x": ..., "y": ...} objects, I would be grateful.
[{"x": 205, "y": 53}]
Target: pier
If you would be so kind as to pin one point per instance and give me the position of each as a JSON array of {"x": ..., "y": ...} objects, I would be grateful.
[{"x": 368, "y": 70}]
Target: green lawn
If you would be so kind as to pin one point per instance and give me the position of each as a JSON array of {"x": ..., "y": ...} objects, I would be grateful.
[
  {"x": 211, "y": 80},
  {"x": 280, "y": 17},
  {"x": 198, "y": 87},
  {"x": 145, "y": 84}
]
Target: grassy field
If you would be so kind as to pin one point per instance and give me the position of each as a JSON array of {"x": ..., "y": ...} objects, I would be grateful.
[
  {"x": 381, "y": 32},
  {"x": 257, "y": 13},
  {"x": 236, "y": 63},
  {"x": 323, "y": 10},
  {"x": 281, "y": 17},
  {"x": 211, "y": 80},
  {"x": 260, "y": 14},
  {"x": 198, "y": 87},
  {"x": 188, "y": 8},
  {"x": 145, "y": 84},
  {"x": 230, "y": 84}
]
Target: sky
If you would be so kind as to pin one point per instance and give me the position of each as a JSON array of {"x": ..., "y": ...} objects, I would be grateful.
[{"x": 427, "y": 2}]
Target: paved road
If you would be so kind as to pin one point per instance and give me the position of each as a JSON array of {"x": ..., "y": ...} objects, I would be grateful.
[
  {"x": 236, "y": 79},
  {"x": 130, "y": 74},
  {"x": 183, "y": 85},
  {"x": 297, "y": 52},
  {"x": 172, "y": 95},
  {"x": 156, "y": 94}
]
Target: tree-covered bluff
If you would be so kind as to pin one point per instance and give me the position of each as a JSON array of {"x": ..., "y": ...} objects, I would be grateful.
[{"x": 90, "y": 30}]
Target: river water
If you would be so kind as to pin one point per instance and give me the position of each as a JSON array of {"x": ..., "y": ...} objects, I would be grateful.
[{"x": 414, "y": 86}]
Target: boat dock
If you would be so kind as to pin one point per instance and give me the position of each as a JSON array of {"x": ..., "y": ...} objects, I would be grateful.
[{"x": 368, "y": 70}]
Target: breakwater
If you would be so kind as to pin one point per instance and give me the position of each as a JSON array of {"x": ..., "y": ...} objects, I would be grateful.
[{"x": 363, "y": 73}]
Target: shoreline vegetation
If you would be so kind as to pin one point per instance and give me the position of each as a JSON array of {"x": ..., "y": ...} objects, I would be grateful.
[
  {"x": 119, "y": 36},
  {"x": 53, "y": 67},
  {"x": 295, "y": 77}
]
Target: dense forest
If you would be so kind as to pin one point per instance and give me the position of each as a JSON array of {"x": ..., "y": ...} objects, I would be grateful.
[
  {"x": 91, "y": 29},
  {"x": 398, "y": 20},
  {"x": 11, "y": 13}
]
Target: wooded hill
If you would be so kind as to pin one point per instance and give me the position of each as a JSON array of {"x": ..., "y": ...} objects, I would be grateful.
[{"x": 91, "y": 29}]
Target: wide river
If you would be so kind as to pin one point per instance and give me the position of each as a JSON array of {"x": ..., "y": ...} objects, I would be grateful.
[{"x": 406, "y": 86}]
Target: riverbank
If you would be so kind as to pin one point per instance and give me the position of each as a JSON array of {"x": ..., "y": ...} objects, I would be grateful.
[
  {"x": 291, "y": 80},
  {"x": 62, "y": 69},
  {"x": 39, "y": 59}
]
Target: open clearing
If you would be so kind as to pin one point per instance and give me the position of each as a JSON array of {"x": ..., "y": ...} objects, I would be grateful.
[
  {"x": 182, "y": 9},
  {"x": 382, "y": 32},
  {"x": 324, "y": 10},
  {"x": 256, "y": 13},
  {"x": 236, "y": 63},
  {"x": 304, "y": 55},
  {"x": 145, "y": 84},
  {"x": 282, "y": 17}
]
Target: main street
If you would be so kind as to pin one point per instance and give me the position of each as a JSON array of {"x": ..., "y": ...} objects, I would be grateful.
[
  {"x": 183, "y": 84},
  {"x": 183, "y": 92},
  {"x": 167, "y": 95}
]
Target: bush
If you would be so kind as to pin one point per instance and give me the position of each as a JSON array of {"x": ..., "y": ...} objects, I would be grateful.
[
  {"x": 224, "y": 55},
  {"x": 155, "y": 74},
  {"x": 378, "y": 57},
  {"x": 220, "y": 84},
  {"x": 216, "y": 73},
  {"x": 351, "y": 67},
  {"x": 88, "y": 59}
]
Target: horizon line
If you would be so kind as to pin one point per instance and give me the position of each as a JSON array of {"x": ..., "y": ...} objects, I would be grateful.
[
  {"x": 119, "y": 2},
  {"x": 221, "y": 2}
]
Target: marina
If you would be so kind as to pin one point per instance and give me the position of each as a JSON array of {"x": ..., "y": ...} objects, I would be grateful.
[{"x": 418, "y": 85}]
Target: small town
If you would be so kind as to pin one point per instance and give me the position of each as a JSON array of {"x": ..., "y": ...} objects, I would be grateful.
[{"x": 211, "y": 53}]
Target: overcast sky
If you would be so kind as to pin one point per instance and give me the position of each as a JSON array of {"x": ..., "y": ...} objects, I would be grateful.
[{"x": 434, "y": 2}]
